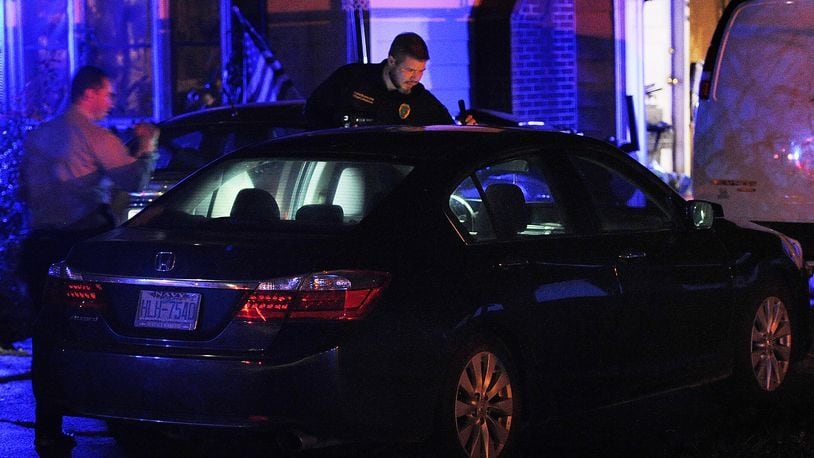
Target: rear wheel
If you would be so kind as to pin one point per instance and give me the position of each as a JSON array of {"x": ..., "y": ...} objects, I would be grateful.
[{"x": 481, "y": 408}]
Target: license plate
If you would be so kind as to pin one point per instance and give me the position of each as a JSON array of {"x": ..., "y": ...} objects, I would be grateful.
[{"x": 168, "y": 310}]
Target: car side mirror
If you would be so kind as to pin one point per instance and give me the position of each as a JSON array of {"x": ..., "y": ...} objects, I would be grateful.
[{"x": 702, "y": 213}]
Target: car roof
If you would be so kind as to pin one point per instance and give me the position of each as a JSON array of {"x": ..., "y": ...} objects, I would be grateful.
[
  {"x": 424, "y": 143},
  {"x": 285, "y": 113}
]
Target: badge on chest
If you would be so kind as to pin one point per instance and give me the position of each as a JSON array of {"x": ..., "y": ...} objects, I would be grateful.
[{"x": 404, "y": 111}]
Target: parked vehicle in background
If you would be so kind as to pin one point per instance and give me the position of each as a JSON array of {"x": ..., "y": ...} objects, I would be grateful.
[
  {"x": 445, "y": 284},
  {"x": 754, "y": 133},
  {"x": 191, "y": 140}
]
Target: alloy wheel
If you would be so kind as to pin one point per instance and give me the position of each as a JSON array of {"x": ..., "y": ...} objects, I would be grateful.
[
  {"x": 771, "y": 343},
  {"x": 484, "y": 406}
]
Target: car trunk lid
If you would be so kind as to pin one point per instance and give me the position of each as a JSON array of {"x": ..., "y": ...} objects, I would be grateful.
[{"x": 153, "y": 286}]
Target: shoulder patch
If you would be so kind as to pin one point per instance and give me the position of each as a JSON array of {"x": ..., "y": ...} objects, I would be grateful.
[{"x": 363, "y": 97}]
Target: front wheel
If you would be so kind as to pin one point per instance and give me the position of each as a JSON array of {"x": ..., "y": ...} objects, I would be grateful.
[
  {"x": 766, "y": 344},
  {"x": 771, "y": 344},
  {"x": 481, "y": 408}
]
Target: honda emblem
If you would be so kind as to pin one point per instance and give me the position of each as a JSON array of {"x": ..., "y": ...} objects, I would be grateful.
[{"x": 164, "y": 261}]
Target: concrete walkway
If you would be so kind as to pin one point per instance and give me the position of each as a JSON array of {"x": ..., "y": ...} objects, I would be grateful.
[{"x": 17, "y": 414}]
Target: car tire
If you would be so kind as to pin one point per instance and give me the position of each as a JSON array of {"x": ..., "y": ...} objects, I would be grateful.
[
  {"x": 481, "y": 409},
  {"x": 765, "y": 350}
]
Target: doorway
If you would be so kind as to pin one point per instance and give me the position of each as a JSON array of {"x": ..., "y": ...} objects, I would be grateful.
[{"x": 667, "y": 85}]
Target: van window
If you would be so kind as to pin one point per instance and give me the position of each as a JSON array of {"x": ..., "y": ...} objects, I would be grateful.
[{"x": 767, "y": 42}]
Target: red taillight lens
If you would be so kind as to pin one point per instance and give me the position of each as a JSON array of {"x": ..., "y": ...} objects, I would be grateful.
[
  {"x": 335, "y": 305},
  {"x": 265, "y": 305},
  {"x": 334, "y": 295},
  {"x": 84, "y": 295},
  {"x": 76, "y": 295},
  {"x": 69, "y": 290}
]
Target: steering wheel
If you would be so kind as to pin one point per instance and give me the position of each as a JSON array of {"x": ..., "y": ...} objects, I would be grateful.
[{"x": 463, "y": 211}]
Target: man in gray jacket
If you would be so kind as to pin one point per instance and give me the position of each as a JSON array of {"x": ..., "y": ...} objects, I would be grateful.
[{"x": 67, "y": 164}]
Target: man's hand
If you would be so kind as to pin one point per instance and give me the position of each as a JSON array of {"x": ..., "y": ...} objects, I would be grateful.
[{"x": 147, "y": 134}]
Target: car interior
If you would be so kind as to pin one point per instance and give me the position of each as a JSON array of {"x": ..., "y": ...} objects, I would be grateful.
[{"x": 515, "y": 202}]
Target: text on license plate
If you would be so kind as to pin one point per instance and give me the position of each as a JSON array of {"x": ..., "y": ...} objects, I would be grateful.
[{"x": 167, "y": 310}]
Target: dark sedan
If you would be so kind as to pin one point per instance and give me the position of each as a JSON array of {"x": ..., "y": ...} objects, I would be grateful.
[{"x": 447, "y": 285}]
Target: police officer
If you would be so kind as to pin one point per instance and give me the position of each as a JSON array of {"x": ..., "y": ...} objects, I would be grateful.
[{"x": 389, "y": 92}]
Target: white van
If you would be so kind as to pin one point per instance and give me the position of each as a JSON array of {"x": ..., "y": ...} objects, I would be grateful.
[{"x": 753, "y": 149}]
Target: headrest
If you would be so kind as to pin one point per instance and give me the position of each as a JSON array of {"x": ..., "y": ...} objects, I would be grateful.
[
  {"x": 255, "y": 204},
  {"x": 320, "y": 213},
  {"x": 508, "y": 204}
]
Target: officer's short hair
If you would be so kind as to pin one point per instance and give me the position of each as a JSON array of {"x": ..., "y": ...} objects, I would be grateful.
[{"x": 409, "y": 44}]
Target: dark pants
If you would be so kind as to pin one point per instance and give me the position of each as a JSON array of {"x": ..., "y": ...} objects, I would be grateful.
[{"x": 41, "y": 249}]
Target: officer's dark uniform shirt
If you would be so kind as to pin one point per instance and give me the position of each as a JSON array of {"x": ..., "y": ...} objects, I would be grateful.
[{"x": 358, "y": 92}]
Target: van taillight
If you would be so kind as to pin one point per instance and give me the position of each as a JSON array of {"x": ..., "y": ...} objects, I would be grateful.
[
  {"x": 703, "y": 89},
  {"x": 333, "y": 295}
]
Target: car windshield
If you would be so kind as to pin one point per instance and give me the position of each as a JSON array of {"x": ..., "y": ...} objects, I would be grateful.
[{"x": 274, "y": 192}]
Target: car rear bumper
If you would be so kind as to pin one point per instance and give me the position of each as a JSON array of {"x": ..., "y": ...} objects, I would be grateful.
[{"x": 205, "y": 391}]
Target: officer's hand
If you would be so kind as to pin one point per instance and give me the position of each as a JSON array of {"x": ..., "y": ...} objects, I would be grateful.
[{"x": 469, "y": 121}]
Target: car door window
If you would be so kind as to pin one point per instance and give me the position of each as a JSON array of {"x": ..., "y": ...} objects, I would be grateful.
[
  {"x": 507, "y": 199},
  {"x": 621, "y": 201}
]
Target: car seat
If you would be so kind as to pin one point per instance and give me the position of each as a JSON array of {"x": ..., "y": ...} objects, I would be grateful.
[
  {"x": 255, "y": 204},
  {"x": 508, "y": 206},
  {"x": 320, "y": 213}
]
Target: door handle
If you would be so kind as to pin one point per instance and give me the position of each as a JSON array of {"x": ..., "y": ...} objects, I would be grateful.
[
  {"x": 631, "y": 255},
  {"x": 509, "y": 263}
]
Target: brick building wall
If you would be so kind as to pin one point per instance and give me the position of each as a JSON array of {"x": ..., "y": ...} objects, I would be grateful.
[
  {"x": 544, "y": 62},
  {"x": 596, "y": 64}
]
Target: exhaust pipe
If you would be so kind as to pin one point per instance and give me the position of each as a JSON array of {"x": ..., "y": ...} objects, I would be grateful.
[{"x": 295, "y": 441}]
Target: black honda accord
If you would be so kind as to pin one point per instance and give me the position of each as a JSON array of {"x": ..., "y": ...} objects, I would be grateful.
[{"x": 446, "y": 285}]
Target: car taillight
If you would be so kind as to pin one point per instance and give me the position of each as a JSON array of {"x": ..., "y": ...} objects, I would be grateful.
[
  {"x": 332, "y": 295},
  {"x": 69, "y": 290}
]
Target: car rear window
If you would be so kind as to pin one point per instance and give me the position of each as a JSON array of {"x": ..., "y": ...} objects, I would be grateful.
[{"x": 264, "y": 191}]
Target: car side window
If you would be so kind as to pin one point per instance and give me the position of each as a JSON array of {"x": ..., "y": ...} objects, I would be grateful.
[
  {"x": 509, "y": 199},
  {"x": 182, "y": 152},
  {"x": 621, "y": 203}
]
